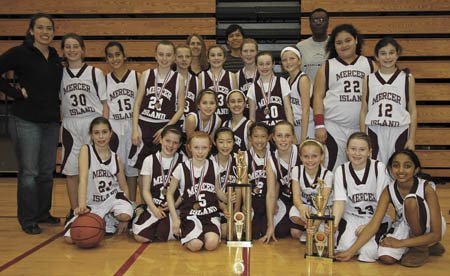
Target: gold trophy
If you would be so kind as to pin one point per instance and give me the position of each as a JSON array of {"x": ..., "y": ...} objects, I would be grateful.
[
  {"x": 320, "y": 240},
  {"x": 237, "y": 220}
]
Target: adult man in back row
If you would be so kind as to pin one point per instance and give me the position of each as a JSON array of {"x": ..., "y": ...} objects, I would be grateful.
[{"x": 312, "y": 49}]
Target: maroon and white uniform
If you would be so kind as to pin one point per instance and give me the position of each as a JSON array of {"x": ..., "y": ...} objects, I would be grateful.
[
  {"x": 121, "y": 95},
  {"x": 191, "y": 93},
  {"x": 272, "y": 92},
  {"x": 400, "y": 229},
  {"x": 342, "y": 104},
  {"x": 158, "y": 106},
  {"x": 197, "y": 189},
  {"x": 81, "y": 93},
  {"x": 244, "y": 81},
  {"x": 222, "y": 86},
  {"x": 147, "y": 224},
  {"x": 387, "y": 116},
  {"x": 282, "y": 171},
  {"x": 103, "y": 193},
  {"x": 227, "y": 176},
  {"x": 361, "y": 191},
  {"x": 240, "y": 132},
  {"x": 210, "y": 127}
]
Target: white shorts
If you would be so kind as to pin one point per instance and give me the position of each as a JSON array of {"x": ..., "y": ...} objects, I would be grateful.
[
  {"x": 386, "y": 140},
  {"x": 400, "y": 230},
  {"x": 336, "y": 144},
  {"x": 75, "y": 133},
  {"x": 346, "y": 237},
  {"x": 116, "y": 205},
  {"x": 121, "y": 143}
]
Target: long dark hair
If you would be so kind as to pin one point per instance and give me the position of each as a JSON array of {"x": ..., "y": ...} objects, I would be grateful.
[
  {"x": 29, "y": 39},
  {"x": 330, "y": 48}
]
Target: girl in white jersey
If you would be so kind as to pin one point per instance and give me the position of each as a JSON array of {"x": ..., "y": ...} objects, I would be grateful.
[
  {"x": 388, "y": 105},
  {"x": 159, "y": 103},
  {"x": 357, "y": 188},
  {"x": 121, "y": 87},
  {"x": 419, "y": 224},
  {"x": 103, "y": 188},
  {"x": 83, "y": 98},
  {"x": 337, "y": 92},
  {"x": 305, "y": 178},
  {"x": 300, "y": 94}
]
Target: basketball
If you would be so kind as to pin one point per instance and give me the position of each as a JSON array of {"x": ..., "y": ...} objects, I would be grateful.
[
  {"x": 239, "y": 216},
  {"x": 320, "y": 236},
  {"x": 87, "y": 230}
]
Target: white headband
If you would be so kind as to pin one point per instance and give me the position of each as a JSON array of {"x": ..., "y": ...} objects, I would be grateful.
[
  {"x": 235, "y": 90},
  {"x": 292, "y": 49}
]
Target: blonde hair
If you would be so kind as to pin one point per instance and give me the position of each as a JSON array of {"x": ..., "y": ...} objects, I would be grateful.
[{"x": 312, "y": 142}]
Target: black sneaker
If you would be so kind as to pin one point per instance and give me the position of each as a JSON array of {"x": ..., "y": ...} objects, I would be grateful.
[
  {"x": 50, "y": 219},
  {"x": 69, "y": 217},
  {"x": 33, "y": 229}
]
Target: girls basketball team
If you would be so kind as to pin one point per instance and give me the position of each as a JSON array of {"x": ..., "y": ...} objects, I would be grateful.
[{"x": 359, "y": 108}]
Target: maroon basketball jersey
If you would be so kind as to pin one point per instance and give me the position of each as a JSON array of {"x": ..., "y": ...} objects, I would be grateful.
[
  {"x": 275, "y": 108},
  {"x": 284, "y": 173}
]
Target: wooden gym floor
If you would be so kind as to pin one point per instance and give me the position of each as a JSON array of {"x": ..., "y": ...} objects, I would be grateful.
[{"x": 47, "y": 254}]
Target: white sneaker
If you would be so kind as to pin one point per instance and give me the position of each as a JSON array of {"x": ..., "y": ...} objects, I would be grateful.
[
  {"x": 302, "y": 238},
  {"x": 111, "y": 224}
]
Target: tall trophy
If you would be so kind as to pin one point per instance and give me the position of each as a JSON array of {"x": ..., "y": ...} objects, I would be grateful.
[
  {"x": 240, "y": 220},
  {"x": 320, "y": 240}
]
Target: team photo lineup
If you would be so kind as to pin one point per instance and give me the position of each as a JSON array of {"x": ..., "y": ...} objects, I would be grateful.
[{"x": 151, "y": 154}]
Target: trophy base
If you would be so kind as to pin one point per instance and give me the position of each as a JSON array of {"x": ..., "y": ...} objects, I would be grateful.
[
  {"x": 246, "y": 244},
  {"x": 318, "y": 258}
]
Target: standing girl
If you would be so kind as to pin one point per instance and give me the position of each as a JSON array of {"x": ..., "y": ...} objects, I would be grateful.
[
  {"x": 218, "y": 79},
  {"x": 34, "y": 122},
  {"x": 183, "y": 59},
  {"x": 154, "y": 223},
  {"x": 279, "y": 191},
  {"x": 269, "y": 96},
  {"x": 256, "y": 159},
  {"x": 358, "y": 185},
  {"x": 300, "y": 94},
  {"x": 238, "y": 123},
  {"x": 337, "y": 92},
  {"x": 419, "y": 224},
  {"x": 305, "y": 182},
  {"x": 388, "y": 105},
  {"x": 199, "y": 59},
  {"x": 83, "y": 98},
  {"x": 247, "y": 75},
  {"x": 224, "y": 142},
  {"x": 159, "y": 103},
  {"x": 103, "y": 188},
  {"x": 121, "y": 88},
  {"x": 205, "y": 119},
  {"x": 198, "y": 223}
]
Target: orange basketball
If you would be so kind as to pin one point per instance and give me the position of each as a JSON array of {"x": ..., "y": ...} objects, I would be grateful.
[
  {"x": 320, "y": 236},
  {"x": 87, "y": 230},
  {"x": 238, "y": 216}
]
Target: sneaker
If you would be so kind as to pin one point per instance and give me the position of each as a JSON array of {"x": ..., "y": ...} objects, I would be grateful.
[
  {"x": 33, "y": 229},
  {"x": 302, "y": 238},
  {"x": 50, "y": 219},
  {"x": 69, "y": 216},
  {"x": 415, "y": 257},
  {"x": 436, "y": 249},
  {"x": 110, "y": 224}
]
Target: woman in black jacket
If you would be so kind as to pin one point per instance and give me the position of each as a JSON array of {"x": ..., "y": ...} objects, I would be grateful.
[{"x": 35, "y": 119}]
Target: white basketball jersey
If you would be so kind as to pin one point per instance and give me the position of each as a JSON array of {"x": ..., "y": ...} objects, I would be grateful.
[
  {"x": 121, "y": 95},
  {"x": 397, "y": 200},
  {"x": 79, "y": 94},
  {"x": 102, "y": 177},
  {"x": 308, "y": 186},
  {"x": 344, "y": 90},
  {"x": 387, "y": 101},
  {"x": 363, "y": 191},
  {"x": 296, "y": 101}
]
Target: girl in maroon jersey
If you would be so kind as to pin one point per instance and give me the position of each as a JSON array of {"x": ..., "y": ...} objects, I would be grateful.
[{"x": 198, "y": 222}]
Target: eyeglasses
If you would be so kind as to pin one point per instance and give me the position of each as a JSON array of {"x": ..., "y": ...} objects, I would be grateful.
[{"x": 318, "y": 20}]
